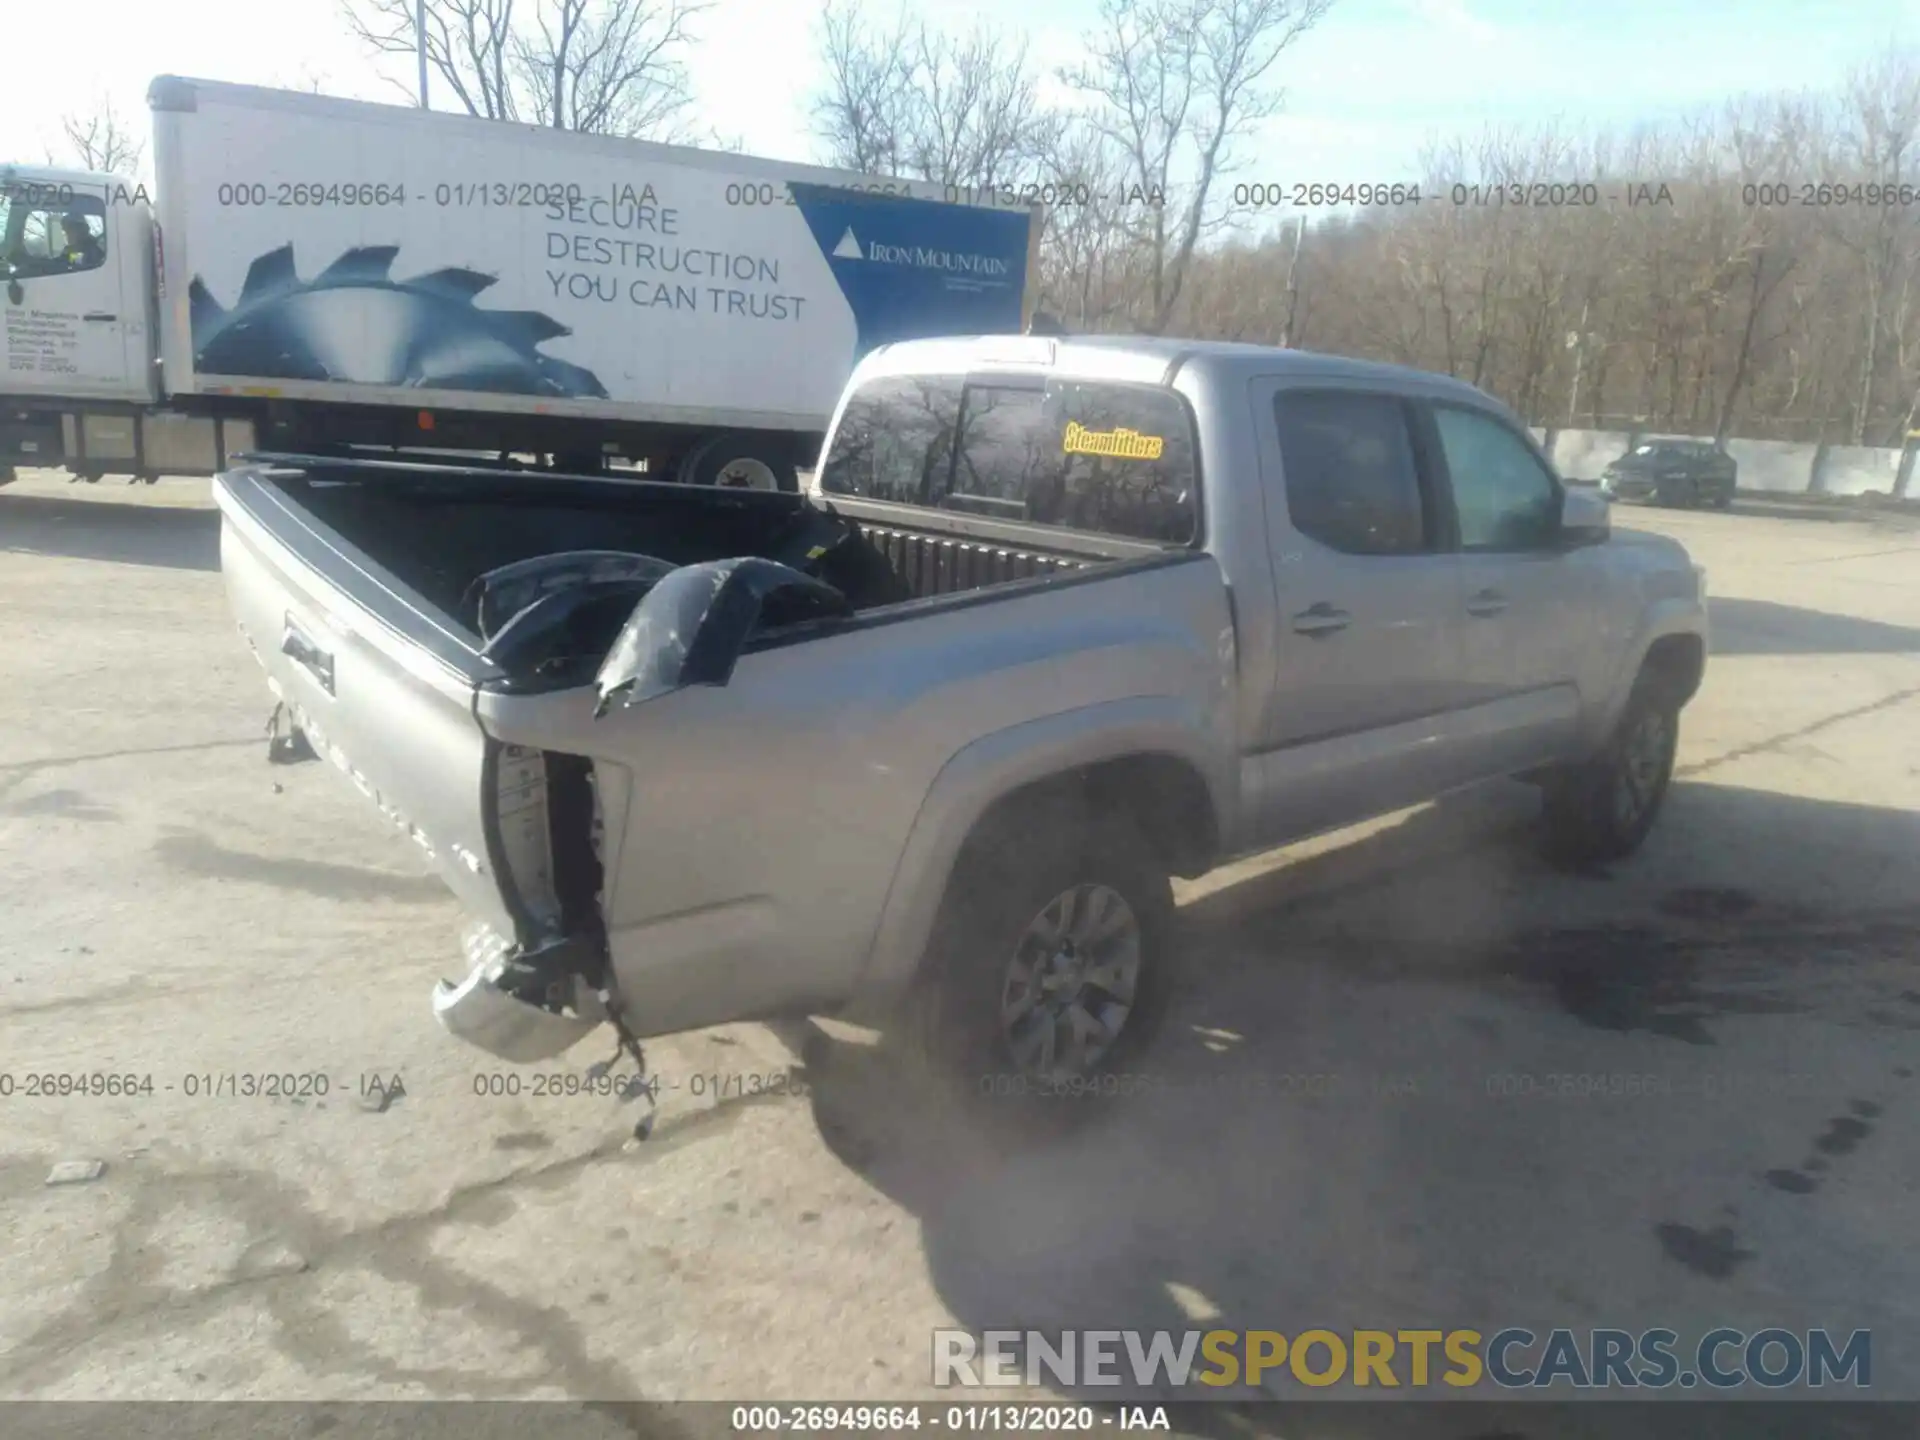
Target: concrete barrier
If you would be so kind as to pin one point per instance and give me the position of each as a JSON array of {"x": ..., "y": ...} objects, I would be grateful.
[
  {"x": 1583, "y": 454},
  {"x": 1776, "y": 467},
  {"x": 1855, "y": 470}
]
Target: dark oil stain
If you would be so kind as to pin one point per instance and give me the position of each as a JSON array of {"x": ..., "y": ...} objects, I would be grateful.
[
  {"x": 669, "y": 1261},
  {"x": 488, "y": 1208},
  {"x": 1865, "y": 1109},
  {"x": 1813, "y": 1164},
  {"x": 1904, "y": 1072},
  {"x": 596, "y": 1297},
  {"x": 1711, "y": 1253},
  {"x": 807, "y": 1217},
  {"x": 198, "y": 855},
  {"x": 618, "y": 1232},
  {"x": 1844, "y": 1134},
  {"x": 1891, "y": 1021},
  {"x": 1792, "y": 1181},
  {"x": 1630, "y": 978},
  {"x": 522, "y": 1140},
  {"x": 66, "y": 804},
  {"x": 1706, "y": 902}
]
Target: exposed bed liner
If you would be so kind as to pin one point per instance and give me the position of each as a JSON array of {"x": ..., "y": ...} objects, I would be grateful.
[{"x": 577, "y": 554}]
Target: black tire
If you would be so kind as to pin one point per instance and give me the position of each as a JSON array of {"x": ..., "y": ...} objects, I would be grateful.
[
  {"x": 1587, "y": 816},
  {"x": 1004, "y": 885},
  {"x": 1724, "y": 500},
  {"x": 733, "y": 456},
  {"x": 8, "y": 475}
]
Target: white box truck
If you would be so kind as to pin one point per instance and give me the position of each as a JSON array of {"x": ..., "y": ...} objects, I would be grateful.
[{"x": 321, "y": 276}]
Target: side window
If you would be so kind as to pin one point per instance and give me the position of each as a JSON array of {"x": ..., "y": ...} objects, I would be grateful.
[
  {"x": 1108, "y": 459},
  {"x": 1505, "y": 498},
  {"x": 894, "y": 439},
  {"x": 47, "y": 239},
  {"x": 1349, "y": 470}
]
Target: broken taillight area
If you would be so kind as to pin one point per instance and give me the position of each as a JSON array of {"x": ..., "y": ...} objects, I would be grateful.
[{"x": 529, "y": 996}]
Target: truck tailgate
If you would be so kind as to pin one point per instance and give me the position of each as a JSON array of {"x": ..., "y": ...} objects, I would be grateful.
[{"x": 383, "y": 688}]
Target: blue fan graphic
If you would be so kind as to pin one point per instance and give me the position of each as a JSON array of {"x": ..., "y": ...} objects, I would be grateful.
[{"x": 354, "y": 323}]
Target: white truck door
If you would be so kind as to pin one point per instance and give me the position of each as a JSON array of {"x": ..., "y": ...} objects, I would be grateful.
[{"x": 64, "y": 332}]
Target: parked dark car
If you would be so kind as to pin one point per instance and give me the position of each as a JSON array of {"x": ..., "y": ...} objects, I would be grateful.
[{"x": 1689, "y": 473}]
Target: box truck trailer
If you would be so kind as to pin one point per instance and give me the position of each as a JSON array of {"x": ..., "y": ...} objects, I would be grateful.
[{"x": 321, "y": 276}]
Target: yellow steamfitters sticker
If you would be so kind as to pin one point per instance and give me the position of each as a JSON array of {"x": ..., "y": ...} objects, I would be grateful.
[{"x": 1127, "y": 444}]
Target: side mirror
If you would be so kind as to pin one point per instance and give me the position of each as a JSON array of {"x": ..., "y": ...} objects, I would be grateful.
[{"x": 1584, "y": 516}]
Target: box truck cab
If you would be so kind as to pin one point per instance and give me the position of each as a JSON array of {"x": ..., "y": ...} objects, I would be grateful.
[{"x": 77, "y": 269}]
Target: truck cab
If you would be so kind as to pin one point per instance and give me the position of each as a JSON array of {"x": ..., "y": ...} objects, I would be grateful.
[
  {"x": 78, "y": 315},
  {"x": 74, "y": 250}
]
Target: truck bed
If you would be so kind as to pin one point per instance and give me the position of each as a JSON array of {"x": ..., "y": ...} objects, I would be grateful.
[{"x": 438, "y": 529}]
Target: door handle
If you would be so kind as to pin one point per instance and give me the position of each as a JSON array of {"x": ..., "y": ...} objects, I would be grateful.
[
  {"x": 98, "y": 315},
  {"x": 1320, "y": 619},
  {"x": 296, "y": 646},
  {"x": 1486, "y": 603}
]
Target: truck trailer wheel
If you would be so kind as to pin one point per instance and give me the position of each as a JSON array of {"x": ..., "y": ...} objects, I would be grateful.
[
  {"x": 1049, "y": 970},
  {"x": 1603, "y": 809},
  {"x": 740, "y": 461}
]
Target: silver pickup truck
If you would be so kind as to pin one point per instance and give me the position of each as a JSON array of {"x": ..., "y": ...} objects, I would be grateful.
[{"x": 1058, "y": 619}]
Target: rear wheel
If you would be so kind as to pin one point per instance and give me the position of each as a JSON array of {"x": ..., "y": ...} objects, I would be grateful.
[
  {"x": 1602, "y": 809},
  {"x": 740, "y": 461},
  {"x": 1049, "y": 970}
]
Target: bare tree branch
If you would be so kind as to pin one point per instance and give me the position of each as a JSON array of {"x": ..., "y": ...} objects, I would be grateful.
[
  {"x": 102, "y": 141},
  {"x": 611, "y": 67},
  {"x": 1175, "y": 83},
  {"x": 907, "y": 99}
]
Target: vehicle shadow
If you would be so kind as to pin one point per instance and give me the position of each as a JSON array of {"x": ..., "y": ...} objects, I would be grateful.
[
  {"x": 1318, "y": 1141},
  {"x": 1762, "y": 627},
  {"x": 122, "y": 532}
]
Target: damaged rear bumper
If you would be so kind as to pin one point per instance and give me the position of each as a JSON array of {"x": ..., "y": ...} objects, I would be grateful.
[{"x": 521, "y": 1008}]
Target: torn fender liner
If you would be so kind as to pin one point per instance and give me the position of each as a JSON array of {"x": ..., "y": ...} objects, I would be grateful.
[
  {"x": 693, "y": 624},
  {"x": 500, "y": 595}
]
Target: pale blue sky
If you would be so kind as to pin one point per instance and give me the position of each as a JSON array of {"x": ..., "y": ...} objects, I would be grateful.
[{"x": 1377, "y": 79}]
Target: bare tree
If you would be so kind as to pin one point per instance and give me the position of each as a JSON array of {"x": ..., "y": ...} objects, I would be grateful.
[
  {"x": 608, "y": 67},
  {"x": 1173, "y": 83},
  {"x": 862, "y": 112},
  {"x": 908, "y": 99},
  {"x": 1091, "y": 268},
  {"x": 1884, "y": 102},
  {"x": 102, "y": 141}
]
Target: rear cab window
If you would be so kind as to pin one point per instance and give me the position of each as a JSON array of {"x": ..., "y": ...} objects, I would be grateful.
[{"x": 1091, "y": 456}]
